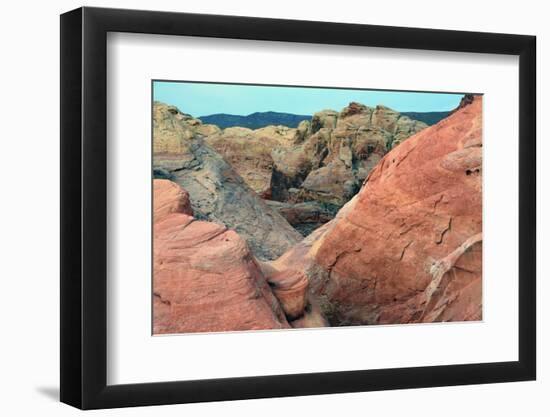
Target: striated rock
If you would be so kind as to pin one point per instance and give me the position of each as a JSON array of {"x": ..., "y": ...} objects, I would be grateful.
[
  {"x": 205, "y": 278},
  {"x": 217, "y": 192},
  {"x": 407, "y": 247}
]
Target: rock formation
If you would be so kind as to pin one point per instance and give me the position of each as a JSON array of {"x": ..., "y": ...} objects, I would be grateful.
[
  {"x": 206, "y": 279},
  {"x": 407, "y": 248},
  {"x": 323, "y": 160},
  {"x": 217, "y": 192},
  {"x": 170, "y": 198},
  {"x": 335, "y": 152},
  {"x": 405, "y": 245},
  {"x": 249, "y": 152}
]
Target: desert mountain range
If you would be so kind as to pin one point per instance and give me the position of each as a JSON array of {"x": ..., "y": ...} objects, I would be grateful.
[{"x": 258, "y": 120}]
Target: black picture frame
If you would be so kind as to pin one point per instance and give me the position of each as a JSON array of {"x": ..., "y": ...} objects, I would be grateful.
[{"x": 84, "y": 207}]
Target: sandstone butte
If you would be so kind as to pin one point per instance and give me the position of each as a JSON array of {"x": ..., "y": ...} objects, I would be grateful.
[
  {"x": 206, "y": 279},
  {"x": 408, "y": 247}
]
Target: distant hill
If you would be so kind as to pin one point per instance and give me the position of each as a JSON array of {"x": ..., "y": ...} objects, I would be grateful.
[
  {"x": 255, "y": 120},
  {"x": 261, "y": 119},
  {"x": 430, "y": 118}
]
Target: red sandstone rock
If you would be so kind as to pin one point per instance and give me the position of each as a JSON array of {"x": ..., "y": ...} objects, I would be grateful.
[
  {"x": 290, "y": 286},
  {"x": 407, "y": 248},
  {"x": 205, "y": 278},
  {"x": 170, "y": 198}
]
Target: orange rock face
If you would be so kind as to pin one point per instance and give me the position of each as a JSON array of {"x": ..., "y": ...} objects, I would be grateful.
[
  {"x": 407, "y": 248},
  {"x": 205, "y": 278}
]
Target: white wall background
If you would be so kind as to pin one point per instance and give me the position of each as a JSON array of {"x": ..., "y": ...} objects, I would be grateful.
[{"x": 29, "y": 220}]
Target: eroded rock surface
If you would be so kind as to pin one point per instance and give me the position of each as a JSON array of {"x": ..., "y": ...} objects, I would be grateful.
[
  {"x": 170, "y": 198},
  {"x": 249, "y": 152},
  {"x": 207, "y": 280},
  {"x": 407, "y": 248},
  {"x": 217, "y": 192},
  {"x": 332, "y": 155}
]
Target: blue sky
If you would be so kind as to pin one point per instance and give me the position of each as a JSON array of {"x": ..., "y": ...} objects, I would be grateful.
[{"x": 201, "y": 99}]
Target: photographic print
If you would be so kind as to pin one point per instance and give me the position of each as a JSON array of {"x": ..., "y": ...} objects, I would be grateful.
[{"x": 284, "y": 207}]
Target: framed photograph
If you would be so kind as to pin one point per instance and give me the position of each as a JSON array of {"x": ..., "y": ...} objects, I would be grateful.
[{"x": 256, "y": 208}]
